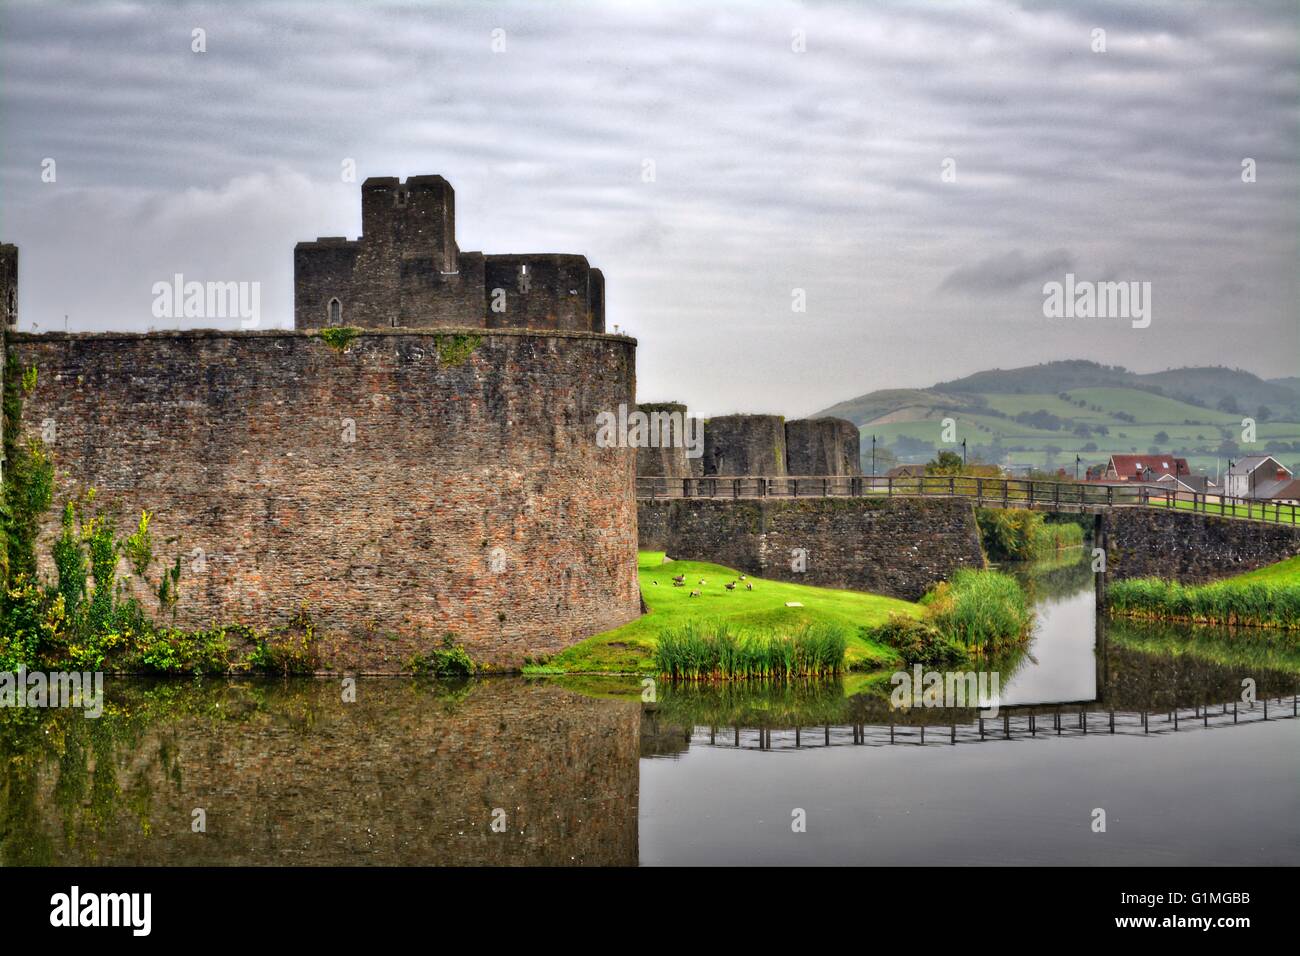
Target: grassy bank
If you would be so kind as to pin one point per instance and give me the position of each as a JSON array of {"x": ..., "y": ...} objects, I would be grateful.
[
  {"x": 746, "y": 614},
  {"x": 740, "y": 633},
  {"x": 1258, "y": 602}
]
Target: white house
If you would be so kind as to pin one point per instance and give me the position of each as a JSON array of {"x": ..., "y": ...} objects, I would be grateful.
[{"x": 1255, "y": 476}]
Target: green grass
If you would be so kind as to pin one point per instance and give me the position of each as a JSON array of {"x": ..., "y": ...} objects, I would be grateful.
[
  {"x": 756, "y": 613},
  {"x": 1266, "y": 597},
  {"x": 1262, "y": 511},
  {"x": 1284, "y": 572},
  {"x": 1149, "y": 408},
  {"x": 1018, "y": 534}
]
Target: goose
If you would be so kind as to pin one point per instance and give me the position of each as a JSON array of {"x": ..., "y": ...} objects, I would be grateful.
[
  {"x": 695, "y": 594},
  {"x": 679, "y": 578},
  {"x": 731, "y": 586},
  {"x": 749, "y": 586}
]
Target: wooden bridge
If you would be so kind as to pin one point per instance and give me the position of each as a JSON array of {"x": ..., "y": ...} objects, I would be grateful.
[{"x": 1068, "y": 496}]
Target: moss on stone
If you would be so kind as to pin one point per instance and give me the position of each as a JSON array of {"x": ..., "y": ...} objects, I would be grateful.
[
  {"x": 339, "y": 338},
  {"x": 455, "y": 349}
]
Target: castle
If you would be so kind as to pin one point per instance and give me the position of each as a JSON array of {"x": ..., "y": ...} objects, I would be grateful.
[
  {"x": 435, "y": 473},
  {"x": 406, "y": 271}
]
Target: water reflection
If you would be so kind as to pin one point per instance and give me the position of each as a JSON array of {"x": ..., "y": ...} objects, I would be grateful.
[
  {"x": 581, "y": 771},
  {"x": 287, "y": 773}
]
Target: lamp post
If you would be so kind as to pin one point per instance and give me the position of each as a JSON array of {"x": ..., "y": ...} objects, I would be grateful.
[
  {"x": 963, "y": 453},
  {"x": 1077, "y": 459},
  {"x": 873, "y": 455}
]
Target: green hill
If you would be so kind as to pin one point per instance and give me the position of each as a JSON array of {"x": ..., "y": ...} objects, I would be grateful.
[{"x": 1042, "y": 416}]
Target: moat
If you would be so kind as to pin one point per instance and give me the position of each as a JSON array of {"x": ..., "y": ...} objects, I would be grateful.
[{"x": 579, "y": 771}]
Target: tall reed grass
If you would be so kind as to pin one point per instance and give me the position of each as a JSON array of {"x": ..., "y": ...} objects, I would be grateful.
[
  {"x": 716, "y": 650},
  {"x": 983, "y": 610},
  {"x": 1232, "y": 603}
]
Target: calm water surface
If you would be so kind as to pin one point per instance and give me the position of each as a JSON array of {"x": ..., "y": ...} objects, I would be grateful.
[{"x": 580, "y": 772}]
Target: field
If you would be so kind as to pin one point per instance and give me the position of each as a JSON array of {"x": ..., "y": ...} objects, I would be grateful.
[
  {"x": 630, "y": 648},
  {"x": 1090, "y": 421}
]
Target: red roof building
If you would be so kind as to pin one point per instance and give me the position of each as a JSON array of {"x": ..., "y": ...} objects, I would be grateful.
[{"x": 1144, "y": 467}]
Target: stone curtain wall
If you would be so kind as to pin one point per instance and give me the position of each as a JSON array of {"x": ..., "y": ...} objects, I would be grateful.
[
  {"x": 1189, "y": 547},
  {"x": 372, "y": 485},
  {"x": 900, "y": 546}
]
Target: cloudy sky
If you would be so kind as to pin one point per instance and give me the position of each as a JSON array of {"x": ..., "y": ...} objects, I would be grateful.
[{"x": 774, "y": 170}]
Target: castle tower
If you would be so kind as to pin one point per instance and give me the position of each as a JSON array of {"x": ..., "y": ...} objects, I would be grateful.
[{"x": 406, "y": 271}]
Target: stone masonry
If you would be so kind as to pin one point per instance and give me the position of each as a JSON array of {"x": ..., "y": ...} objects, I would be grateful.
[
  {"x": 1189, "y": 547},
  {"x": 404, "y": 486},
  {"x": 736, "y": 445},
  {"x": 897, "y": 546},
  {"x": 669, "y": 459},
  {"x": 822, "y": 446}
]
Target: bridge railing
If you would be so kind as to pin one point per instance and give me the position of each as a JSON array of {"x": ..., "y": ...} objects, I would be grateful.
[{"x": 991, "y": 492}]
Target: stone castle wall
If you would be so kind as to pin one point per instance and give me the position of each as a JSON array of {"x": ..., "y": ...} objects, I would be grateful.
[
  {"x": 406, "y": 486},
  {"x": 1189, "y": 547},
  {"x": 668, "y": 459},
  {"x": 897, "y": 546}
]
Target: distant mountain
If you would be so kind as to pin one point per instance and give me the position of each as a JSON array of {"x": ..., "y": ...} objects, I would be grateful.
[
  {"x": 1051, "y": 377},
  {"x": 1046, "y": 415}
]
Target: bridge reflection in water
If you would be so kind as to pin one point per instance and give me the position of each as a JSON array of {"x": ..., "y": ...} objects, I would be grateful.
[
  {"x": 1082, "y": 674},
  {"x": 571, "y": 770}
]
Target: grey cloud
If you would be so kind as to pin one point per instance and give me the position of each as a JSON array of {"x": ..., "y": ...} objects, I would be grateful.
[
  {"x": 1008, "y": 272},
  {"x": 818, "y": 170}
]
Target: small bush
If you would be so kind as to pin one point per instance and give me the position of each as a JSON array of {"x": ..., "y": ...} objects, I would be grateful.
[
  {"x": 450, "y": 660},
  {"x": 917, "y": 641},
  {"x": 339, "y": 337},
  {"x": 287, "y": 650},
  {"x": 1017, "y": 534}
]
